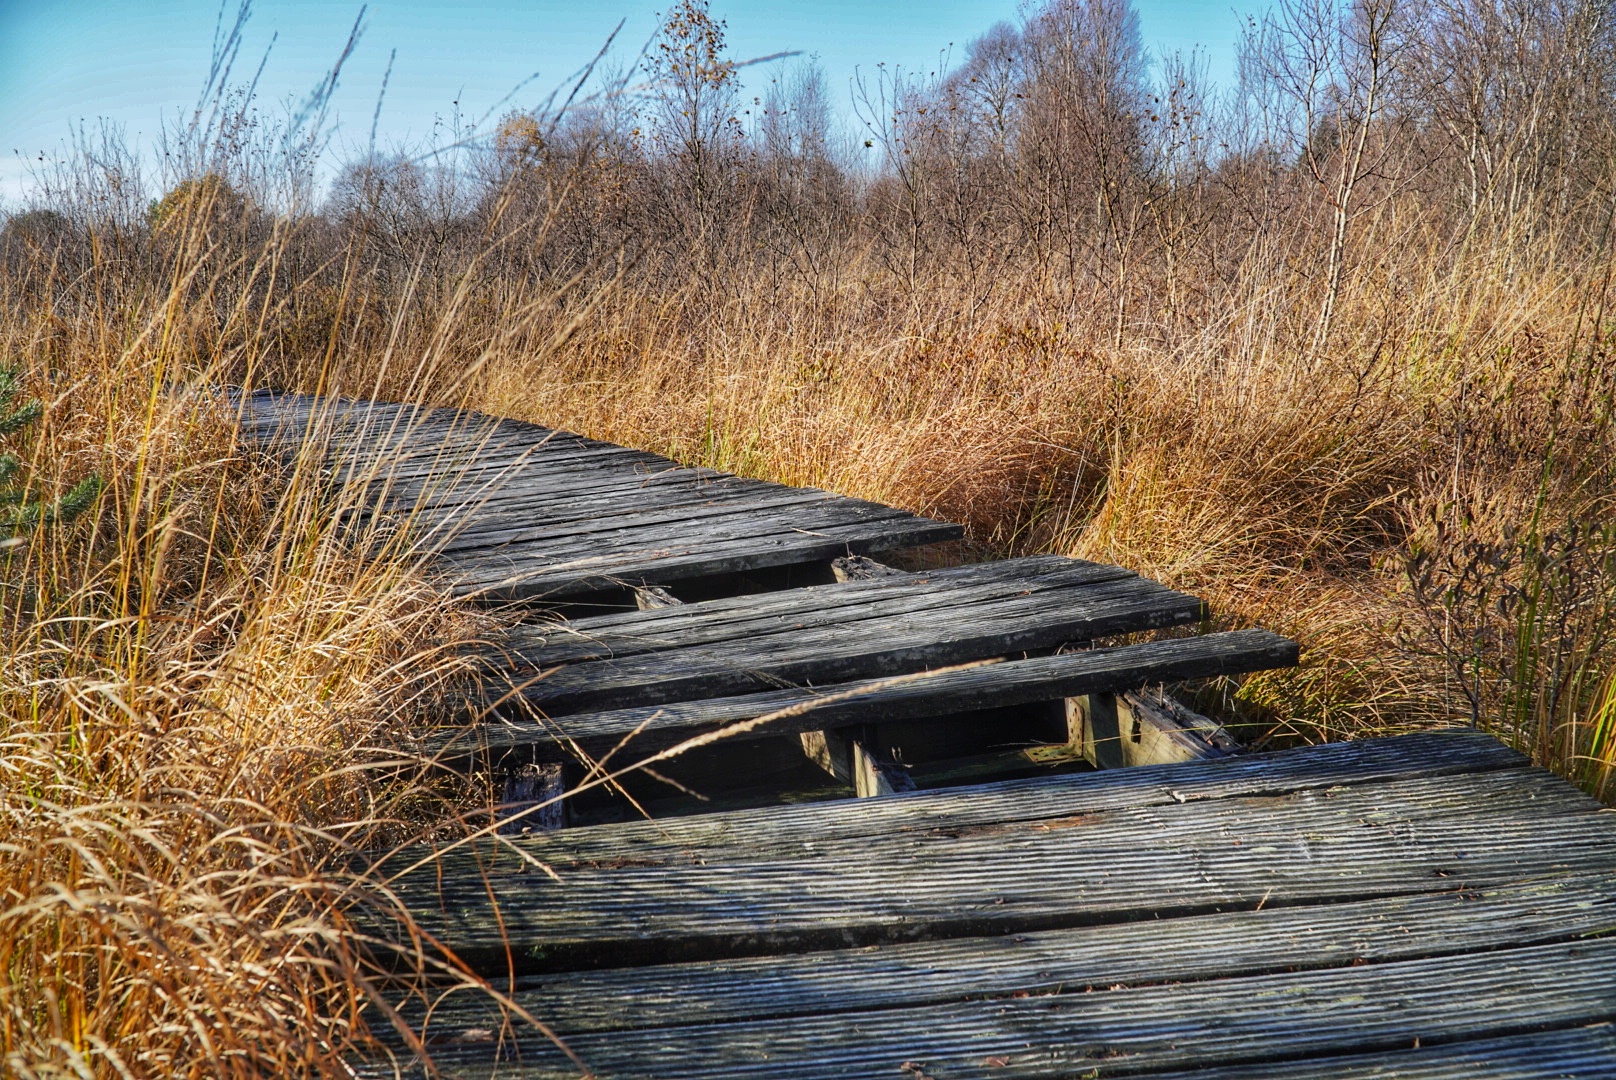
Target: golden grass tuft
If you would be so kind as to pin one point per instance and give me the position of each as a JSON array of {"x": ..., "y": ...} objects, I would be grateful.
[{"x": 195, "y": 680}]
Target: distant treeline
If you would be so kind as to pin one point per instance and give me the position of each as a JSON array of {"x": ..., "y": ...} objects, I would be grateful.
[{"x": 1058, "y": 156}]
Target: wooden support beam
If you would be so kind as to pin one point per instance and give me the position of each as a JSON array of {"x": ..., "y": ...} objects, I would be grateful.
[
  {"x": 829, "y": 750},
  {"x": 850, "y": 755},
  {"x": 875, "y": 773},
  {"x": 531, "y": 786},
  {"x": 1142, "y": 727}
]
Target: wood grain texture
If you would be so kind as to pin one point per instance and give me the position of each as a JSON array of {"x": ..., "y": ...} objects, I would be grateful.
[
  {"x": 1247, "y": 1022},
  {"x": 1333, "y": 767},
  {"x": 1337, "y": 845},
  {"x": 1223, "y": 945},
  {"x": 692, "y": 652}
]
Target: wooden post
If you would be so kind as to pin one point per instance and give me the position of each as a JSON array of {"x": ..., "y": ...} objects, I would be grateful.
[
  {"x": 1093, "y": 726},
  {"x": 849, "y": 754},
  {"x": 1142, "y": 727},
  {"x": 877, "y": 774},
  {"x": 527, "y": 787}
]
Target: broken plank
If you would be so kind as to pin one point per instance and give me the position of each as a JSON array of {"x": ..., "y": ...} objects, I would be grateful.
[
  {"x": 1011, "y": 682},
  {"x": 867, "y": 649}
]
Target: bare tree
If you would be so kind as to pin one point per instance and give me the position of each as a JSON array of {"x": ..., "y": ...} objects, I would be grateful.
[
  {"x": 696, "y": 139},
  {"x": 1337, "y": 70}
]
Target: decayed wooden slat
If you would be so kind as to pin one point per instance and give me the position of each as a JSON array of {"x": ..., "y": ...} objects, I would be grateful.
[
  {"x": 1238, "y": 818},
  {"x": 1015, "y": 682},
  {"x": 1093, "y": 868},
  {"x": 401, "y": 451},
  {"x": 538, "y": 472},
  {"x": 858, "y": 568},
  {"x": 1224, "y": 945},
  {"x": 1578, "y": 1053},
  {"x": 865, "y": 649},
  {"x": 1333, "y": 767},
  {"x": 745, "y": 618},
  {"x": 758, "y": 511},
  {"x": 512, "y": 574},
  {"x": 791, "y": 525},
  {"x": 477, "y": 519},
  {"x": 1250, "y": 1021},
  {"x": 1033, "y": 572}
]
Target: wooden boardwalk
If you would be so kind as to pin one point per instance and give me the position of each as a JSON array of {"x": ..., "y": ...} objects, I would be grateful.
[
  {"x": 519, "y": 511},
  {"x": 1429, "y": 906}
]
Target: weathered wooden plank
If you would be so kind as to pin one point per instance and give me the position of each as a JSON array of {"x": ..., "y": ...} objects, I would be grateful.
[
  {"x": 1031, "y": 572},
  {"x": 444, "y": 469},
  {"x": 335, "y": 420},
  {"x": 1235, "y": 817},
  {"x": 624, "y": 523},
  {"x": 1332, "y": 767},
  {"x": 743, "y": 618},
  {"x": 525, "y": 486},
  {"x": 601, "y": 495},
  {"x": 1376, "y": 1008},
  {"x": 1578, "y": 1053},
  {"x": 535, "y": 469},
  {"x": 1362, "y": 843},
  {"x": 1013, "y": 682},
  {"x": 1222, "y": 945},
  {"x": 800, "y": 517},
  {"x": 401, "y": 450},
  {"x": 866, "y": 649},
  {"x": 587, "y": 527},
  {"x": 509, "y": 578}
]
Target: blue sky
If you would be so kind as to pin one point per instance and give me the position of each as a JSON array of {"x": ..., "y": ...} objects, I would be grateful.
[{"x": 132, "y": 62}]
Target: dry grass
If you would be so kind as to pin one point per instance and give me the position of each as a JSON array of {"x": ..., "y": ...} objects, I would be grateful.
[
  {"x": 195, "y": 678},
  {"x": 1285, "y": 488},
  {"x": 197, "y": 670}
]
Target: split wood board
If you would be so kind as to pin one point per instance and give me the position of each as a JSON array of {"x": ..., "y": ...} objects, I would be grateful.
[
  {"x": 519, "y": 511},
  {"x": 1428, "y": 906}
]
